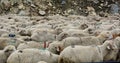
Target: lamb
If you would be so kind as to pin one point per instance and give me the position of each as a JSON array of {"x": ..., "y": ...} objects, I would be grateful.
[
  {"x": 79, "y": 54},
  {"x": 32, "y": 55},
  {"x": 4, "y": 54}
]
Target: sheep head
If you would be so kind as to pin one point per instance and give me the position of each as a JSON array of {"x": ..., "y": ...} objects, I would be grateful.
[
  {"x": 111, "y": 45},
  {"x": 55, "y": 47},
  {"x": 9, "y": 49},
  {"x": 106, "y": 35},
  {"x": 62, "y": 36}
]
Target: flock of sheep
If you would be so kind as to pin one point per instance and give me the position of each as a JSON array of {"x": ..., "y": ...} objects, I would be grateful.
[{"x": 58, "y": 39}]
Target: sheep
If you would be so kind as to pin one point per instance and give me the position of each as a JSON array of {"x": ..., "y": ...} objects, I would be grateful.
[
  {"x": 3, "y": 43},
  {"x": 88, "y": 40},
  {"x": 111, "y": 56},
  {"x": 115, "y": 33},
  {"x": 71, "y": 32},
  {"x": 4, "y": 54},
  {"x": 117, "y": 42},
  {"x": 58, "y": 31},
  {"x": 83, "y": 26},
  {"x": 55, "y": 47},
  {"x": 43, "y": 35},
  {"x": 2, "y": 31},
  {"x": 32, "y": 55},
  {"x": 16, "y": 42},
  {"x": 92, "y": 53},
  {"x": 24, "y": 32},
  {"x": 10, "y": 41},
  {"x": 31, "y": 44}
]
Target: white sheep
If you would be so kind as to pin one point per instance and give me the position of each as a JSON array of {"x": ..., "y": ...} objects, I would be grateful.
[
  {"x": 55, "y": 47},
  {"x": 88, "y": 40},
  {"x": 72, "y": 32},
  {"x": 79, "y": 54},
  {"x": 24, "y": 32},
  {"x": 3, "y": 31},
  {"x": 3, "y": 43},
  {"x": 115, "y": 32},
  {"x": 32, "y": 55},
  {"x": 43, "y": 35},
  {"x": 4, "y": 54},
  {"x": 31, "y": 44},
  {"x": 117, "y": 42}
]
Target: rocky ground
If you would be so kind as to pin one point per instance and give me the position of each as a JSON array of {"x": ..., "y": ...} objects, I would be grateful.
[{"x": 63, "y": 7}]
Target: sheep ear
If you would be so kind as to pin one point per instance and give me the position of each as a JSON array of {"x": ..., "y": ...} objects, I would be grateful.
[
  {"x": 108, "y": 47},
  {"x": 6, "y": 50},
  {"x": 107, "y": 32},
  {"x": 50, "y": 54},
  {"x": 64, "y": 35},
  {"x": 58, "y": 48}
]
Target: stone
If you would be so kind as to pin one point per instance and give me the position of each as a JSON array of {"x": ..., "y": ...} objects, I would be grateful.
[{"x": 42, "y": 13}]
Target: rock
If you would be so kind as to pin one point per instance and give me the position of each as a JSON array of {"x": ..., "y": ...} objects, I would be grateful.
[
  {"x": 42, "y": 13},
  {"x": 21, "y": 6},
  {"x": 114, "y": 8}
]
